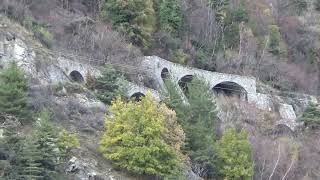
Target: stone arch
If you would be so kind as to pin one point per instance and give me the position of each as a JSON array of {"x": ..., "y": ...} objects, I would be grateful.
[
  {"x": 229, "y": 88},
  {"x": 76, "y": 76},
  {"x": 282, "y": 129},
  {"x": 183, "y": 83},
  {"x": 137, "y": 96}
]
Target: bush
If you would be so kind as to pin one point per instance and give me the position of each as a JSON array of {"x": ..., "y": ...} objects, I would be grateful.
[
  {"x": 40, "y": 31},
  {"x": 311, "y": 116},
  {"x": 274, "y": 39},
  {"x": 13, "y": 92},
  {"x": 201, "y": 58},
  {"x": 135, "y": 138},
  {"x": 44, "y": 36},
  {"x": 180, "y": 56},
  {"x": 234, "y": 151},
  {"x": 66, "y": 142}
]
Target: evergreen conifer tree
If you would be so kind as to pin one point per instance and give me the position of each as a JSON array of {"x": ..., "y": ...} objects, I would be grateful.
[
  {"x": 198, "y": 119},
  {"x": 46, "y": 136},
  {"x": 13, "y": 92},
  {"x": 10, "y": 145},
  {"x": 30, "y": 160},
  {"x": 135, "y": 18},
  {"x": 107, "y": 85},
  {"x": 170, "y": 16},
  {"x": 311, "y": 116}
]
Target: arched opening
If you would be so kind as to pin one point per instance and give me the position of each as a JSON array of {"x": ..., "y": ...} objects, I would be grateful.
[
  {"x": 282, "y": 129},
  {"x": 76, "y": 77},
  {"x": 183, "y": 83},
  {"x": 137, "y": 96},
  {"x": 165, "y": 74},
  {"x": 228, "y": 88}
]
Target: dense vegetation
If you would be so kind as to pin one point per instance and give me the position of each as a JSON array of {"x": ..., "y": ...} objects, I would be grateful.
[
  {"x": 277, "y": 43},
  {"x": 37, "y": 154}
]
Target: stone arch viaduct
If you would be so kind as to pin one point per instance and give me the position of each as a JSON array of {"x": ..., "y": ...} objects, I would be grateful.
[
  {"x": 71, "y": 68},
  {"x": 158, "y": 68}
]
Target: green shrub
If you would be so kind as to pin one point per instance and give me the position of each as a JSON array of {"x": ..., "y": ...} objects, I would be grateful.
[
  {"x": 135, "y": 138},
  {"x": 42, "y": 33},
  {"x": 180, "y": 56},
  {"x": 234, "y": 151},
  {"x": 274, "y": 39},
  {"x": 311, "y": 116},
  {"x": 66, "y": 142},
  {"x": 201, "y": 58}
]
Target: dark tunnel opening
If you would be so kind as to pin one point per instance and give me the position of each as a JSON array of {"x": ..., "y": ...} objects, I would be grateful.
[
  {"x": 137, "y": 96},
  {"x": 230, "y": 89},
  {"x": 183, "y": 83},
  {"x": 165, "y": 74},
  {"x": 76, "y": 77}
]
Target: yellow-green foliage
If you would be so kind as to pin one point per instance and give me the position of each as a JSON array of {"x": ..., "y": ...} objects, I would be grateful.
[
  {"x": 135, "y": 138},
  {"x": 174, "y": 135},
  {"x": 180, "y": 56},
  {"x": 234, "y": 151},
  {"x": 67, "y": 141}
]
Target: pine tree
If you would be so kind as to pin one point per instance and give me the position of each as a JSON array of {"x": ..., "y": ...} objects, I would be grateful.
[
  {"x": 311, "y": 116},
  {"x": 107, "y": 85},
  {"x": 46, "y": 136},
  {"x": 198, "y": 119},
  {"x": 67, "y": 142},
  {"x": 173, "y": 98},
  {"x": 13, "y": 92},
  {"x": 30, "y": 160},
  {"x": 234, "y": 151},
  {"x": 10, "y": 144}
]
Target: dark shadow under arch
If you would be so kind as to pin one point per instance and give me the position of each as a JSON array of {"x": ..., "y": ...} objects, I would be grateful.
[
  {"x": 137, "y": 96},
  {"x": 76, "y": 77},
  {"x": 282, "y": 129},
  {"x": 183, "y": 83},
  {"x": 165, "y": 74},
  {"x": 229, "y": 88}
]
